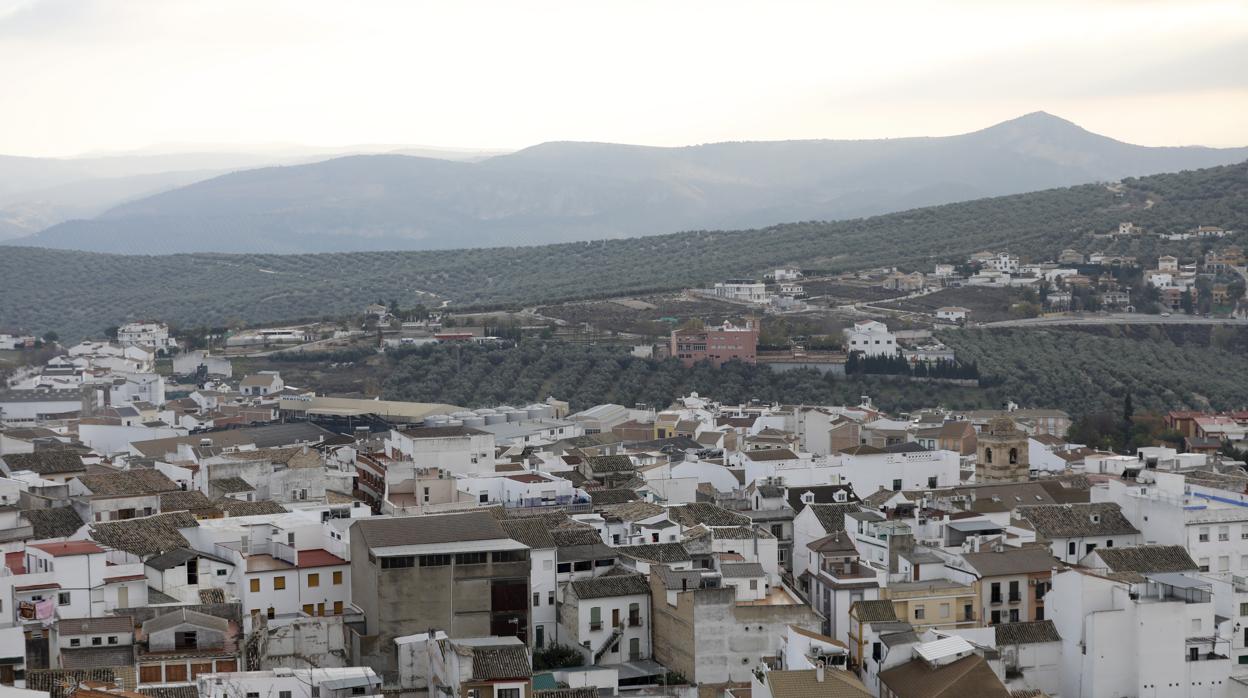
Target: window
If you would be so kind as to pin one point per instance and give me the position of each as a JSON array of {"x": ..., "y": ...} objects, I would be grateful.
[
  {"x": 253, "y": 694},
  {"x": 753, "y": 585},
  {"x": 537, "y": 599},
  {"x": 968, "y": 612},
  {"x": 97, "y": 641},
  {"x": 583, "y": 565},
  {"x": 919, "y": 613},
  {"x": 472, "y": 558},
  {"x": 1203, "y": 535},
  {"x": 270, "y": 614},
  {"x": 112, "y": 639},
  {"x": 338, "y": 577},
  {"x": 1089, "y": 548},
  {"x": 1013, "y": 615},
  {"x": 931, "y": 482},
  {"x": 279, "y": 582},
  {"x": 634, "y": 615},
  {"x": 435, "y": 560},
  {"x": 897, "y": 485},
  {"x": 1243, "y": 609},
  {"x": 595, "y": 618},
  {"x": 1014, "y": 595},
  {"x": 509, "y": 555},
  {"x": 1071, "y": 547},
  {"x": 221, "y": 572},
  {"x": 308, "y": 609},
  {"x": 1224, "y": 532},
  {"x": 75, "y": 642},
  {"x": 507, "y": 693},
  {"x": 1013, "y": 456},
  {"x": 398, "y": 562},
  {"x": 1224, "y": 563},
  {"x": 283, "y": 694},
  {"x": 996, "y": 592},
  {"x": 1204, "y": 564},
  {"x": 62, "y": 599},
  {"x": 314, "y": 580},
  {"x": 550, "y": 598},
  {"x": 254, "y": 584},
  {"x": 988, "y": 456},
  {"x": 996, "y": 617}
]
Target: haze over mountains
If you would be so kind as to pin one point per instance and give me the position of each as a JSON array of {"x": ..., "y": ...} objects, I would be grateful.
[{"x": 566, "y": 191}]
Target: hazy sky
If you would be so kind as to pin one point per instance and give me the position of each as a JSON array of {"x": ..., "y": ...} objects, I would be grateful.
[{"x": 95, "y": 75}]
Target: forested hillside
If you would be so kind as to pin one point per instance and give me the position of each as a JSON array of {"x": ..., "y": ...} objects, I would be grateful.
[
  {"x": 1080, "y": 372},
  {"x": 79, "y": 294}
]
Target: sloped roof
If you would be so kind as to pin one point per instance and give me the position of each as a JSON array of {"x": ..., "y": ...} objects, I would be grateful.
[
  {"x": 238, "y": 507},
  {"x": 60, "y": 522},
  {"x": 874, "y": 611},
  {"x": 45, "y": 462},
  {"x": 1147, "y": 558},
  {"x": 609, "y": 464},
  {"x": 150, "y": 535},
  {"x": 230, "y": 485},
  {"x": 128, "y": 483},
  {"x": 103, "y": 624},
  {"x": 612, "y": 496},
  {"x": 575, "y": 535},
  {"x": 1026, "y": 633},
  {"x": 804, "y": 683},
  {"x": 611, "y": 585},
  {"x": 706, "y": 514},
  {"x": 770, "y": 454},
  {"x": 1077, "y": 520},
  {"x": 531, "y": 532},
  {"x": 189, "y": 500},
  {"x": 737, "y": 570},
  {"x": 183, "y": 615},
  {"x": 500, "y": 662},
  {"x": 428, "y": 530},
  {"x": 823, "y": 494},
  {"x": 969, "y": 676},
  {"x": 832, "y": 516},
  {"x": 656, "y": 552},
  {"x": 1011, "y": 561}
]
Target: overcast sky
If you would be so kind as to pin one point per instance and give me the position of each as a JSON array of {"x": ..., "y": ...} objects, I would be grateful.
[{"x": 101, "y": 75}]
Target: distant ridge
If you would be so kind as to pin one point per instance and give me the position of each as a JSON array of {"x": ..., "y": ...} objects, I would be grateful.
[{"x": 565, "y": 191}]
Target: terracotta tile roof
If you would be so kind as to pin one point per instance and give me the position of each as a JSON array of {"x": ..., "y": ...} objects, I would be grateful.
[
  {"x": 230, "y": 485},
  {"x": 88, "y": 626},
  {"x": 803, "y": 683},
  {"x": 770, "y": 454},
  {"x": 1026, "y": 633},
  {"x": 611, "y": 585},
  {"x": 128, "y": 483},
  {"x": 149, "y": 535},
  {"x": 873, "y": 611},
  {"x": 500, "y": 662},
  {"x": 612, "y": 496},
  {"x": 969, "y": 676},
  {"x": 832, "y": 516},
  {"x": 46, "y": 462},
  {"x": 1076, "y": 520},
  {"x": 609, "y": 464},
  {"x": 656, "y": 552},
  {"x": 190, "y": 500},
  {"x": 57, "y": 682},
  {"x": 60, "y": 522},
  {"x": 707, "y": 514},
  {"x": 1147, "y": 558},
  {"x": 531, "y": 532},
  {"x": 237, "y": 507}
]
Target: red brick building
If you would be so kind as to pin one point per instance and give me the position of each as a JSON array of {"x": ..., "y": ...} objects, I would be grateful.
[{"x": 717, "y": 344}]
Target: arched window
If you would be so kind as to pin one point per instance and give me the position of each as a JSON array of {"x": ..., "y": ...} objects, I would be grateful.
[
  {"x": 988, "y": 455},
  {"x": 1013, "y": 456}
]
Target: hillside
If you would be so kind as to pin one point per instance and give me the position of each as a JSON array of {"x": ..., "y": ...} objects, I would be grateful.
[
  {"x": 557, "y": 192},
  {"x": 78, "y": 293}
]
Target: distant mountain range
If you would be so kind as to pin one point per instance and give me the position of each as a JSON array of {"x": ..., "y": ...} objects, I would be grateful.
[{"x": 567, "y": 191}]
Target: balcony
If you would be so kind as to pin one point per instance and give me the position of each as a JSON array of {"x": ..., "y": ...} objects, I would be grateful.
[
  {"x": 996, "y": 600},
  {"x": 595, "y": 625},
  {"x": 1016, "y": 598}
]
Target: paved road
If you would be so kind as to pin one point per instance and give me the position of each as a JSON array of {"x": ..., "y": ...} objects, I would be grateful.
[{"x": 1116, "y": 319}]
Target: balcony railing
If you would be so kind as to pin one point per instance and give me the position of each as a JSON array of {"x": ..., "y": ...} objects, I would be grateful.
[
  {"x": 634, "y": 621},
  {"x": 1015, "y": 598},
  {"x": 595, "y": 625}
]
